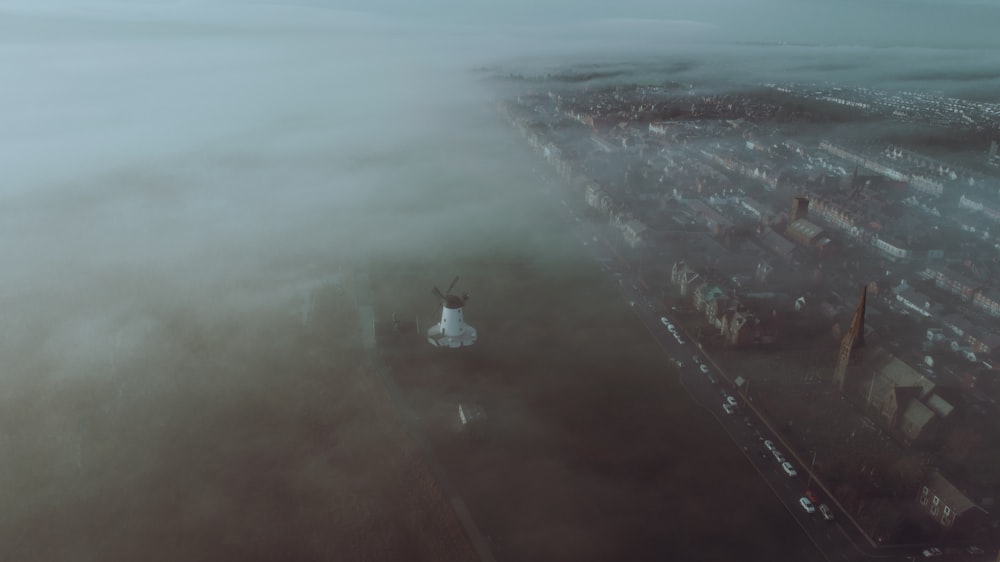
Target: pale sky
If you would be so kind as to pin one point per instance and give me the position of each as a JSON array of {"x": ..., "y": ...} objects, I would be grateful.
[
  {"x": 75, "y": 69},
  {"x": 924, "y": 23},
  {"x": 928, "y": 23}
]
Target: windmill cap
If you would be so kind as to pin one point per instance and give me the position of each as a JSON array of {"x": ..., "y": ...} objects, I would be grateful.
[{"x": 452, "y": 301}]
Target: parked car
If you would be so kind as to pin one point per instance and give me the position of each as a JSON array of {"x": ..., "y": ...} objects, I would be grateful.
[
  {"x": 778, "y": 456},
  {"x": 703, "y": 368},
  {"x": 826, "y": 511},
  {"x": 728, "y": 409},
  {"x": 812, "y": 496},
  {"x": 732, "y": 401},
  {"x": 664, "y": 321},
  {"x": 974, "y": 550},
  {"x": 807, "y": 505},
  {"x": 769, "y": 444},
  {"x": 932, "y": 552},
  {"x": 789, "y": 469}
]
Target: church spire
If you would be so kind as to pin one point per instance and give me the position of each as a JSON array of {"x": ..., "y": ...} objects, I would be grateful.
[
  {"x": 852, "y": 340},
  {"x": 858, "y": 323}
]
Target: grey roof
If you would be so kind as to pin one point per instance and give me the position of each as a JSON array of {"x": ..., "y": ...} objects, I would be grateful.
[
  {"x": 805, "y": 229},
  {"x": 894, "y": 372},
  {"x": 949, "y": 494},
  {"x": 914, "y": 418},
  {"x": 940, "y": 406}
]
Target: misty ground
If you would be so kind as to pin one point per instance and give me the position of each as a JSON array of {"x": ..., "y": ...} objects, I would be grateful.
[{"x": 243, "y": 433}]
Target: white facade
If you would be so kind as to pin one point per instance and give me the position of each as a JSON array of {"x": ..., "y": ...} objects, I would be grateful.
[
  {"x": 896, "y": 253},
  {"x": 915, "y": 301}
]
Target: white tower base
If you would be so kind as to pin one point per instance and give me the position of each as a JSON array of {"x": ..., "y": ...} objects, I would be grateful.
[
  {"x": 451, "y": 331},
  {"x": 465, "y": 337}
]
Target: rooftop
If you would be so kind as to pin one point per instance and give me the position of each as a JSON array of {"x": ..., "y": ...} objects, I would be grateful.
[
  {"x": 915, "y": 417},
  {"x": 891, "y": 371},
  {"x": 805, "y": 229},
  {"x": 949, "y": 494},
  {"x": 940, "y": 406}
]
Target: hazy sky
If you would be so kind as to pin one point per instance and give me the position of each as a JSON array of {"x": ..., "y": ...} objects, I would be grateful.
[
  {"x": 927, "y": 23},
  {"x": 881, "y": 22},
  {"x": 152, "y": 76},
  {"x": 104, "y": 82}
]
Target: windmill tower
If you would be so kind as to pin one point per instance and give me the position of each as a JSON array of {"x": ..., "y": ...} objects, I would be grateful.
[{"x": 451, "y": 331}]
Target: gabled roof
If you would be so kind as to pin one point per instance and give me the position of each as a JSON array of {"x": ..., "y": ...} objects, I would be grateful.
[
  {"x": 897, "y": 373},
  {"x": 915, "y": 417},
  {"x": 940, "y": 406},
  {"x": 949, "y": 494}
]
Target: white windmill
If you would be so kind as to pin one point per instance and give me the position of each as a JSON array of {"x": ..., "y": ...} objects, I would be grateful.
[{"x": 451, "y": 331}]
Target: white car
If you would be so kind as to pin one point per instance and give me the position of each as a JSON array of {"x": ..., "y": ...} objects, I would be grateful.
[
  {"x": 932, "y": 552},
  {"x": 678, "y": 338},
  {"x": 789, "y": 469},
  {"x": 770, "y": 445},
  {"x": 807, "y": 505},
  {"x": 732, "y": 401},
  {"x": 665, "y": 321},
  {"x": 778, "y": 456},
  {"x": 703, "y": 368},
  {"x": 728, "y": 409}
]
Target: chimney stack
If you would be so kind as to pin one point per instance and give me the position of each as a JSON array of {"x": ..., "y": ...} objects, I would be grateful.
[{"x": 800, "y": 209}]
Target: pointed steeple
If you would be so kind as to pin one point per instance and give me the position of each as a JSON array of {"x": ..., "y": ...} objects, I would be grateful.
[
  {"x": 858, "y": 322},
  {"x": 852, "y": 340}
]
